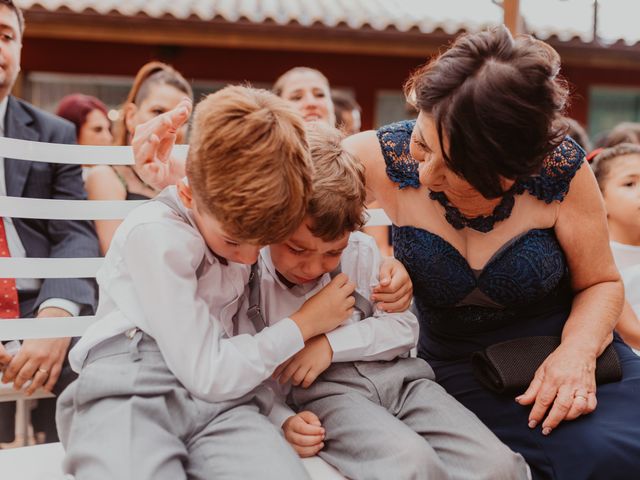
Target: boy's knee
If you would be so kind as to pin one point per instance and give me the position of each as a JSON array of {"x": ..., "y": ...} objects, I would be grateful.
[
  {"x": 418, "y": 460},
  {"x": 502, "y": 464}
]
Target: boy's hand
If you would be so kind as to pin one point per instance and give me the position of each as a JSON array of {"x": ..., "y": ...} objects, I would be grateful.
[
  {"x": 305, "y": 433},
  {"x": 326, "y": 309},
  {"x": 152, "y": 144},
  {"x": 395, "y": 290},
  {"x": 305, "y": 366}
]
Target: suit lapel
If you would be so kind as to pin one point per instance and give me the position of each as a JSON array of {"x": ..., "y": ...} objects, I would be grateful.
[{"x": 17, "y": 124}]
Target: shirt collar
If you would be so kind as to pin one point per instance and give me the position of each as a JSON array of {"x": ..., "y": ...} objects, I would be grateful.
[{"x": 188, "y": 214}]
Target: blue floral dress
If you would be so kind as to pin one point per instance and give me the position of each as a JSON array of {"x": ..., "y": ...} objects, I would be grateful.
[{"x": 523, "y": 290}]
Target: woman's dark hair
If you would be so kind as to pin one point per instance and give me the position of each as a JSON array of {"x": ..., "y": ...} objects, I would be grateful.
[
  {"x": 497, "y": 100},
  {"x": 76, "y": 107},
  {"x": 577, "y": 132}
]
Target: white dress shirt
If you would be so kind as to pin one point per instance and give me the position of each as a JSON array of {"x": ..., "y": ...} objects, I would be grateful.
[
  {"x": 383, "y": 336},
  {"x": 16, "y": 248},
  {"x": 148, "y": 280},
  {"x": 627, "y": 258}
]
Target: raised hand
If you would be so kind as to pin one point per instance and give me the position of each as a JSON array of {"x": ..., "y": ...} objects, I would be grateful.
[{"x": 153, "y": 142}]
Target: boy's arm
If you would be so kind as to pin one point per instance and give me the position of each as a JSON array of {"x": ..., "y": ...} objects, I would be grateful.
[
  {"x": 162, "y": 260},
  {"x": 383, "y": 336},
  {"x": 280, "y": 411}
]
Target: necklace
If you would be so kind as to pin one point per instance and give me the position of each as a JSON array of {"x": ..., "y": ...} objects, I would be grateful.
[{"x": 483, "y": 223}]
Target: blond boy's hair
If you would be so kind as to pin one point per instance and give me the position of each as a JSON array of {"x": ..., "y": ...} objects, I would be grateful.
[
  {"x": 337, "y": 202},
  {"x": 249, "y": 164}
]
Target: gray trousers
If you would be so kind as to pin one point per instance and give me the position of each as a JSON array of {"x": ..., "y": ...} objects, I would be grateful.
[
  {"x": 128, "y": 417},
  {"x": 391, "y": 420}
]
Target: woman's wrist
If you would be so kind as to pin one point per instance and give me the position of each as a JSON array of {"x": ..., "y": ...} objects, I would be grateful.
[{"x": 588, "y": 350}]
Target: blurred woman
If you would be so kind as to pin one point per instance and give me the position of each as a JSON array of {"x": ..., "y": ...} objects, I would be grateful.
[
  {"x": 89, "y": 115},
  {"x": 309, "y": 91},
  {"x": 156, "y": 89}
]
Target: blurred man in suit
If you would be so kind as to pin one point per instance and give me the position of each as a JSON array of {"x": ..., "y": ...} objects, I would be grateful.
[{"x": 40, "y": 361}]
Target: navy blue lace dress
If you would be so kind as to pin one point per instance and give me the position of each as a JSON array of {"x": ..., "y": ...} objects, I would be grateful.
[{"x": 522, "y": 291}]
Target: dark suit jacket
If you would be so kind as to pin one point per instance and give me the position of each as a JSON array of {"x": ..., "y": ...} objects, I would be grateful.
[{"x": 49, "y": 238}]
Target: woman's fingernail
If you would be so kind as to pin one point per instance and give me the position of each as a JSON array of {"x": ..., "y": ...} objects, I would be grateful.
[
  {"x": 519, "y": 398},
  {"x": 546, "y": 431},
  {"x": 532, "y": 424}
]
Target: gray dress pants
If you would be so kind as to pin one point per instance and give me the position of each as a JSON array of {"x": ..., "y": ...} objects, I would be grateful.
[
  {"x": 128, "y": 417},
  {"x": 391, "y": 420}
]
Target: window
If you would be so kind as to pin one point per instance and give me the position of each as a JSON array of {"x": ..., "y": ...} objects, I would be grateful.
[{"x": 609, "y": 106}]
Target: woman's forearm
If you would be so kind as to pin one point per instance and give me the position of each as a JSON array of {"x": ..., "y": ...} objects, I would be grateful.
[{"x": 594, "y": 314}]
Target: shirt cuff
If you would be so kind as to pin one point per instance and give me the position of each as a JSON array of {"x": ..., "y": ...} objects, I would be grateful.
[
  {"x": 72, "y": 308},
  {"x": 341, "y": 341},
  {"x": 285, "y": 338},
  {"x": 279, "y": 413}
]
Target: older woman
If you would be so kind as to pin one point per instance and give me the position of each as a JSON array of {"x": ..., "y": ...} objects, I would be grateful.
[{"x": 499, "y": 222}]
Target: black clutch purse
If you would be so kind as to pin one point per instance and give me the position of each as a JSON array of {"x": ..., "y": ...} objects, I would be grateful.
[{"x": 508, "y": 367}]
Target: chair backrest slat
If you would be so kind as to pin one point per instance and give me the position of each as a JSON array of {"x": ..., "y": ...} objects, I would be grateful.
[
  {"x": 49, "y": 267},
  {"x": 72, "y": 154},
  {"x": 55, "y": 327},
  {"x": 18, "y": 207}
]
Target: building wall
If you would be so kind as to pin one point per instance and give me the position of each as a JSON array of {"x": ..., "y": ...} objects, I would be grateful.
[{"x": 366, "y": 75}]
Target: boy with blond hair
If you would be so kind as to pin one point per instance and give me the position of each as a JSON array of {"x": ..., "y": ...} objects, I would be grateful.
[
  {"x": 165, "y": 389},
  {"x": 363, "y": 406}
]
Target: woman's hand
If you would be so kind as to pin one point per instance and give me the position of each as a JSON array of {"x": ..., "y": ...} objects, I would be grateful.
[
  {"x": 152, "y": 144},
  {"x": 395, "y": 290},
  {"x": 564, "y": 385}
]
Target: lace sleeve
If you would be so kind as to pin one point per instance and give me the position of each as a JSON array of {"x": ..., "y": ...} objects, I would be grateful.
[
  {"x": 394, "y": 141},
  {"x": 558, "y": 169}
]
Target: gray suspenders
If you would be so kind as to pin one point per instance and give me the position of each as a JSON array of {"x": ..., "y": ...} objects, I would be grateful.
[{"x": 255, "y": 313}]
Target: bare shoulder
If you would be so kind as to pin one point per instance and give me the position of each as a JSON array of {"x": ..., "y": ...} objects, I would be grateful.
[
  {"x": 365, "y": 146},
  {"x": 103, "y": 184},
  {"x": 581, "y": 229}
]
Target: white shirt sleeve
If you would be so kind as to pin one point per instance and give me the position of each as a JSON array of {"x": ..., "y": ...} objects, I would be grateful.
[
  {"x": 383, "y": 336},
  {"x": 162, "y": 261},
  {"x": 72, "y": 308},
  {"x": 280, "y": 411}
]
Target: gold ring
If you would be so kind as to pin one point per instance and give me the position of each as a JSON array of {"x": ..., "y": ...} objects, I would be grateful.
[
  {"x": 579, "y": 396},
  {"x": 42, "y": 370}
]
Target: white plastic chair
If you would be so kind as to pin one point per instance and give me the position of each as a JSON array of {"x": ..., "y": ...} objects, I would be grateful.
[{"x": 44, "y": 461}]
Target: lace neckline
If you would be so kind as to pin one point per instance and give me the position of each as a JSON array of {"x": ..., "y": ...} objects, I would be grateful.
[{"x": 482, "y": 223}]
